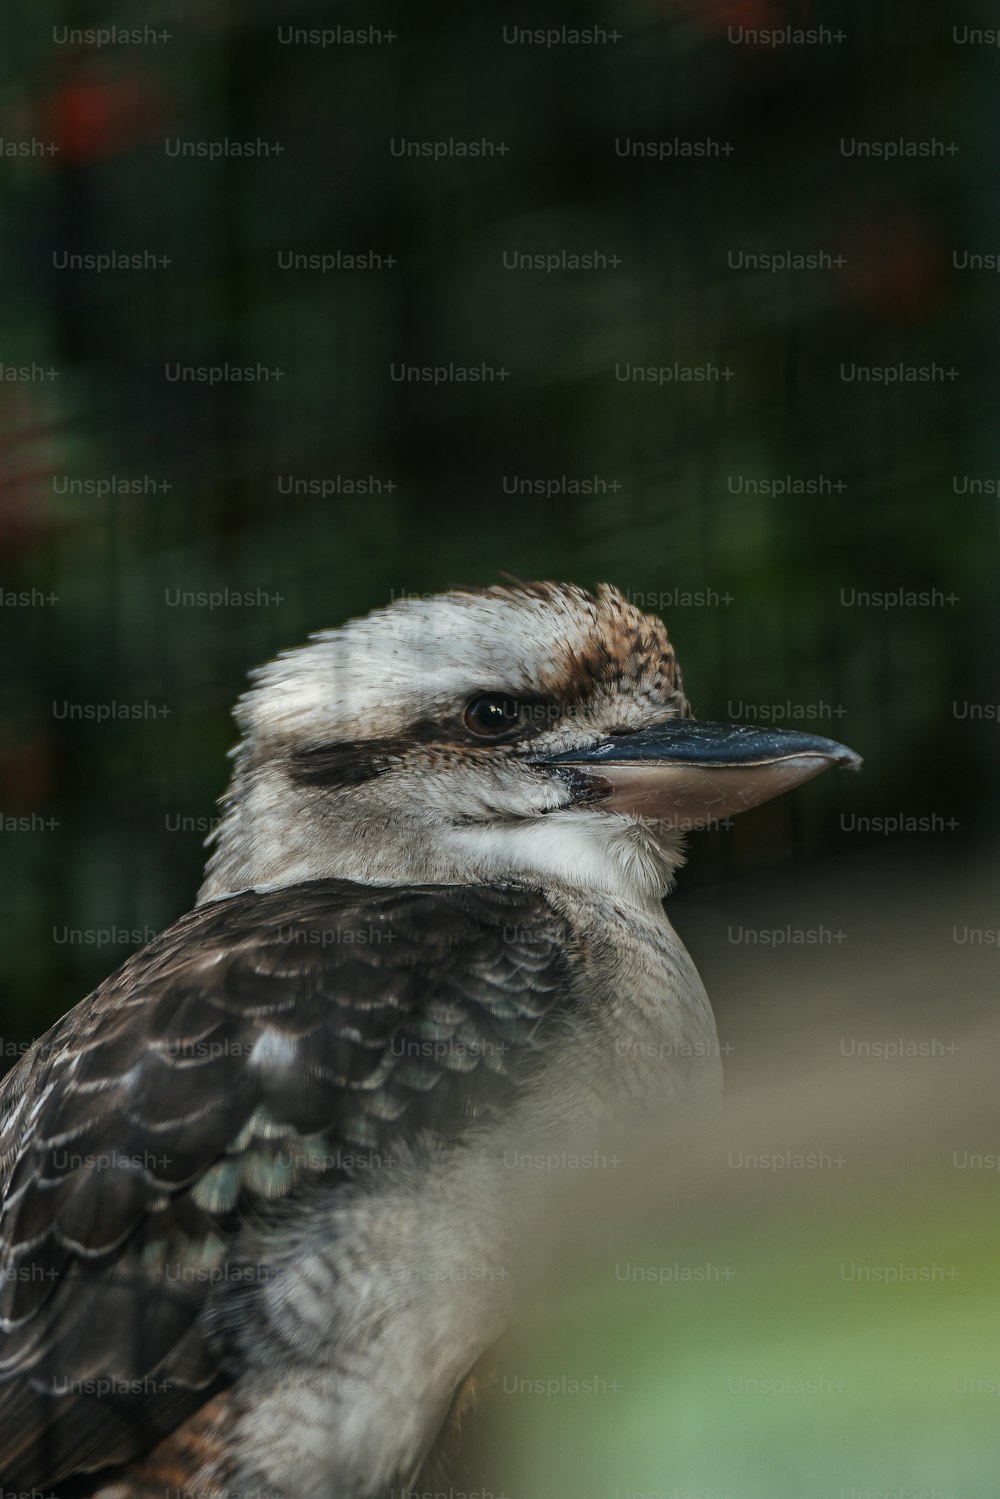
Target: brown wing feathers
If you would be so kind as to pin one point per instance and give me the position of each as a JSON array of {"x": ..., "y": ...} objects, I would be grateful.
[{"x": 256, "y": 1043}]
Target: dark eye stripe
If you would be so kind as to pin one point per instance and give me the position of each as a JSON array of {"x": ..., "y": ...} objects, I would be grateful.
[
  {"x": 345, "y": 762},
  {"x": 351, "y": 762}
]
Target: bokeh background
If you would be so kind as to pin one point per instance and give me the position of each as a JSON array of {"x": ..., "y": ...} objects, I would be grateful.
[{"x": 752, "y": 509}]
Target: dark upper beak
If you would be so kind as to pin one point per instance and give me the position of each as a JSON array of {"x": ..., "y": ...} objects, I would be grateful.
[{"x": 688, "y": 773}]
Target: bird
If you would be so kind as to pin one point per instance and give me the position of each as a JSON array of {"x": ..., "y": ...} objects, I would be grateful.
[{"x": 261, "y": 1189}]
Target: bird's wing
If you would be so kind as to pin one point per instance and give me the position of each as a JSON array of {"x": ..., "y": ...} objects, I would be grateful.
[{"x": 263, "y": 1040}]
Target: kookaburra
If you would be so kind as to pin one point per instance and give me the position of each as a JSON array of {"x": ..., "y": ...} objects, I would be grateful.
[{"x": 258, "y": 1195}]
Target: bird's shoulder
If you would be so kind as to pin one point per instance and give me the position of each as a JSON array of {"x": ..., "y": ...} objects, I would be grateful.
[{"x": 265, "y": 1039}]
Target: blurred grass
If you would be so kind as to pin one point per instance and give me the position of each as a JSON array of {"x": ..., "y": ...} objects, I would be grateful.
[
  {"x": 761, "y": 1268},
  {"x": 864, "y": 1374}
]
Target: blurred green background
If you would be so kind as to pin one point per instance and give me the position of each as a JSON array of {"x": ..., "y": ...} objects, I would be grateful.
[{"x": 750, "y": 510}]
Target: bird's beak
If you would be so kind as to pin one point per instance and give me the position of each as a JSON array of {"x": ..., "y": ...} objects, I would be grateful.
[{"x": 686, "y": 773}]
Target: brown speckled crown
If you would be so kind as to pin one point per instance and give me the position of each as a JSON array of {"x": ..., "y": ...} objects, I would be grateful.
[{"x": 624, "y": 650}]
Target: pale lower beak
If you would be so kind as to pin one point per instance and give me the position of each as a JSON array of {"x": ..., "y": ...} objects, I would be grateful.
[{"x": 687, "y": 773}]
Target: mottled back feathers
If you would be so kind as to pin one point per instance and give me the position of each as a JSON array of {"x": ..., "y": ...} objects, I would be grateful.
[{"x": 264, "y": 1042}]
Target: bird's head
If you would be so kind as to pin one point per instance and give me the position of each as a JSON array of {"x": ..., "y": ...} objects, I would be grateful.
[{"x": 529, "y": 731}]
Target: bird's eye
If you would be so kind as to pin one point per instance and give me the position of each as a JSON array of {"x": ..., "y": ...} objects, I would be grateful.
[{"x": 493, "y": 714}]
